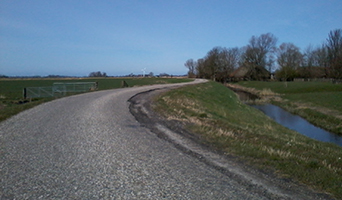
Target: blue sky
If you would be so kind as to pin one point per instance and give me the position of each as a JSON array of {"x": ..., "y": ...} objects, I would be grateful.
[{"x": 76, "y": 37}]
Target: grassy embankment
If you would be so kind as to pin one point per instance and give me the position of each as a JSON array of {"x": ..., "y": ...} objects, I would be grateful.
[
  {"x": 11, "y": 91},
  {"x": 221, "y": 120},
  {"x": 320, "y": 103}
]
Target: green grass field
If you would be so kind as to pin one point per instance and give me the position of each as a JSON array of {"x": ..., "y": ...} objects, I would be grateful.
[
  {"x": 318, "y": 102},
  {"x": 222, "y": 121},
  {"x": 319, "y": 93},
  {"x": 11, "y": 91}
]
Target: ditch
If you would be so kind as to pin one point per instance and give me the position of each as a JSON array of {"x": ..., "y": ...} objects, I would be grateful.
[{"x": 289, "y": 120}]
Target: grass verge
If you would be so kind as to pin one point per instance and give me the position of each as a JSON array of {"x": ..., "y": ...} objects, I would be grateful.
[
  {"x": 318, "y": 102},
  {"x": 11, "y": 91},
  {"x": 222, "y": 121}
]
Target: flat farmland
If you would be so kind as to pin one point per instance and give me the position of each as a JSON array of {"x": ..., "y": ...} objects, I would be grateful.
[{"x": 11, "y": 90}]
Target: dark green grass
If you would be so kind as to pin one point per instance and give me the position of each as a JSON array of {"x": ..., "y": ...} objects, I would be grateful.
[
  {"x": 294, "y": 87},
  {"x": 319, "y": 93},
  {"x": 11, "y": 91},
  {"x": 332, "y": 100},
  {"x": 222, "y": 121}
]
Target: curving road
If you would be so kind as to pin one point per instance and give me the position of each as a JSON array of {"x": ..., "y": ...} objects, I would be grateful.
[{"x": 89, "y": 146}]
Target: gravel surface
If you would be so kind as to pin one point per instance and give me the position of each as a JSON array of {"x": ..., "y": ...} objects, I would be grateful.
[{"x": 90, "y": 146}]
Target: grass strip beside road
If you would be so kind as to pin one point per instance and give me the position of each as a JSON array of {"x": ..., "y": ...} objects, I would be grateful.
[
  {"x": 11, "y": 90},
  {"x": 218, "y": 117},
  {"x": 318, "y": 102}
]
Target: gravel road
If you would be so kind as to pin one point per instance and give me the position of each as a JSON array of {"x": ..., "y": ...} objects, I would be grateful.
[{"x": 90, "y": 146}]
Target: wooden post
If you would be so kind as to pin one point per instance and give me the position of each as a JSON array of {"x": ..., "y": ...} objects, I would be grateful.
[
  {"x": 25, "y": 93},
  {"x": 124, "y": 84}
]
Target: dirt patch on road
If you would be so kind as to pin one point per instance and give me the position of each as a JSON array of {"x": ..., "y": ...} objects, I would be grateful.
[{"x": 263, "y": 182}]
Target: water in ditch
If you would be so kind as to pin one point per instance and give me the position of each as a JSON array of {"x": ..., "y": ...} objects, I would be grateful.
[
  {"x": 298, "y": 124},
  {"x": 293, "y": 122}
]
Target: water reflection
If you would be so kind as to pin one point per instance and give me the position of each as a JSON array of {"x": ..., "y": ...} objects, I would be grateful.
[
  {"x": 298, "y": 124},
  {"x": 289, "y": 120}
]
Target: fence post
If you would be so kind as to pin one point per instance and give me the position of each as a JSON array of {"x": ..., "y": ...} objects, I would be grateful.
[
  {"x": 24, "y": 93},
  {"x": 124, "y": 84}
]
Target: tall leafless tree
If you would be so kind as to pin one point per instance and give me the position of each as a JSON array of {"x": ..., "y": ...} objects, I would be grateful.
[
  {"x": 191, "y": 65},
  {"x": 289, "y": 59},
  {"x": 309, "y": 61},
  {"x": 322, "y": 59},
  {"x": 212, "y": 62},
  {"x": 228, "y": 61},
  {"x": 200, "y": 68},
  {"x": 259, "y": 52},
  {"x": 334, "y": 53}
]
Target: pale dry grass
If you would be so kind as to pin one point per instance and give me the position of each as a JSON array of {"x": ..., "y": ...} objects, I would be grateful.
[
  {"x": 184, "y": 104},
  {"x": 204, "y": 123},
  {"x": 268, "y": 126},
  {"x": 330, "y": 167},
  {"x": 222, "y": 132},
  {"x": 267, "y": 92},
  {"x": 326, "y": 111},
  {"x": 260, "y": 93},
  {"x": 284, "y": 154},
  {"x": 281, "y": 153}
]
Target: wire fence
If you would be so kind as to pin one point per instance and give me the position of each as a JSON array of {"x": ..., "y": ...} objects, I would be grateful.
[
  {"x": 37, "y": 92},
  {"x": 331, "y": 80},
  {"x": 59, "y": 89}
]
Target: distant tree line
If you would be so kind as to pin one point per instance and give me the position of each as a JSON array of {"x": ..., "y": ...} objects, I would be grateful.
[
  {"x": 98, "y": 74},
  {"x": 262, "y": 55}
]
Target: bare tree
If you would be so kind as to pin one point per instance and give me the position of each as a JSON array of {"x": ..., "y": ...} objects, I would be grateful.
[
  {"x": 334, "y": 53},
  {"x": 213, "y": 62},
  {"x": 259, "y": 52},
  {"x": 218, "y": 64},
  {"x": 228, "y": 61},
  {"x": 289, "y": 59},
  {"x": 308, "y": 62},
  {"x": 191, "y": 65},
  {"x": 200, "y": 68},
  {"x": 322, "y": 59}
]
